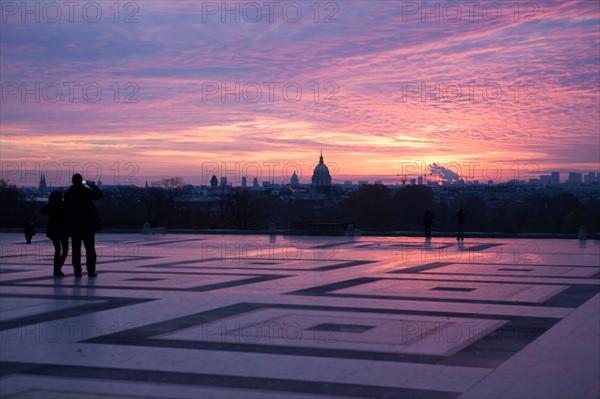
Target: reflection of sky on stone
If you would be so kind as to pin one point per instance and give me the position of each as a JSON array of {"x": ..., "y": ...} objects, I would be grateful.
[{"x": 370, "y": 54}]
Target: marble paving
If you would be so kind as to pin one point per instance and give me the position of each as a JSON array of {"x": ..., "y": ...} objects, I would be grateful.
[{"x": 250, "y": 316}]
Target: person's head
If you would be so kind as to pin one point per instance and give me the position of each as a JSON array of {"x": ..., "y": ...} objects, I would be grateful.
[
  {"x": 77, "y": 179},
  {"x": 55, "y": 196}
]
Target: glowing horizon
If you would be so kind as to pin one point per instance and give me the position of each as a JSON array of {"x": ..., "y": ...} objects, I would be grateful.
[{"x": 166, "y": 113}]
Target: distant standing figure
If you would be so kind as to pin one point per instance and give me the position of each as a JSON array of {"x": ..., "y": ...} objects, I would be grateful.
[
  {"x": 57, "y": 230},
  {"x": 460, "y": 222},
  {"x": 29, "y": 230},
  {"x": 427, "y": 222},
  {"x": 83, "y": 222}
]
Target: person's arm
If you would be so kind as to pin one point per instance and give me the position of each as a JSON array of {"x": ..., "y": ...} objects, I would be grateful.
[{"x": 96, "y": 193}]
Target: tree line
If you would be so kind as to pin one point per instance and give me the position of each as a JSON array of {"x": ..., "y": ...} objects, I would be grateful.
[{"x": 168, "y": 203}]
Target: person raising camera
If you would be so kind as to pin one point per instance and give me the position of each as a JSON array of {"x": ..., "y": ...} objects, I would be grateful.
[{"x": 82, "y": 222}]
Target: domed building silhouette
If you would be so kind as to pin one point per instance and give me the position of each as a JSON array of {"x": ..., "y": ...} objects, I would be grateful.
[
  {"x": 294, "y": 181},
  {"x": 321, "y": 179}
]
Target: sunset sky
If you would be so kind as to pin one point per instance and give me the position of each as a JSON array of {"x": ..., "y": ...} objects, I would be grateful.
[{"x": 370, "y": 60}]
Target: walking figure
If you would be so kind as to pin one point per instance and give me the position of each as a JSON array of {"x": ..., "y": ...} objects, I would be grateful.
[
  {"x": 83, "y": 222},
  {"x": 29, "y": 230},
  {"x": 427, "y": 222},
  {"x": 57, "y": 230},
  {"x": 460, "y": 222}
]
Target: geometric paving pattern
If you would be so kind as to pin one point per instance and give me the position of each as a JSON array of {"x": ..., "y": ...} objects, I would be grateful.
[{"x": 246, "y": 316}]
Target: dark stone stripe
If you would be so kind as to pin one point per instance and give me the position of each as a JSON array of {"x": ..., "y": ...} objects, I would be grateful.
[
  {"x": 322, "y": 289},
  {"x": 481, "y": 247},
  {"x": 417, "y": 269},
  {"x": 506, "y": 275},
  {"x": 503, "y": 282},
  {"x": 493, "y": 350},
  {"x": 183, "y": 262},
  {"x": 201, "y": 288},
  {"x": 430, "y": 299},
  {"x": 121, "y": 259},
  {"x": 488, "y": 315},
  {"x": 153, "y": 244},
  {"x": 7, "y": 368},
  {"x": 487, "y": 352},
  {"x": 66, "y": 313},
  {"x": 167, "y": 326},
  {"x": 343, "y": 265},
  {"x": 124, "y": 339},
  {"x": 12, "y": 270},
  {"x": 572, "y": 297},
  {"x": 239, "y": 382},
  {"x": 332, "y": 245}
]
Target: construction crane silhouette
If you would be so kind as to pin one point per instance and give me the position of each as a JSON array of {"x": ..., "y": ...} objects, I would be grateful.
[{"x": 403, "y": 178}]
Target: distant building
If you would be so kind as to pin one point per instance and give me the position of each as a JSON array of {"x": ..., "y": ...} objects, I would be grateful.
[
  {"x": 574, "y": 178},
  {"x": 244, "y": 182},
  {"x": 223, "y": 181},
  {"x": 544, "y": 180},
  {"x": 255, "y": 183},
  {"x": 554, "y": 178},
  {"x": 214, "y": 182},
  {"x": 42, "y": 185},
  {"x": 420, "y": 180},
  {"x": 363, "y": 182},
  {"x": 294, "y": 181},
  {"x": 590, "y": 178},
  {"x": 321, "y": 179}
]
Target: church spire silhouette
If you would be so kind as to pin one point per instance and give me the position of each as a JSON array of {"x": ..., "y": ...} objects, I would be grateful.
[{"x": 42, "y": 184}]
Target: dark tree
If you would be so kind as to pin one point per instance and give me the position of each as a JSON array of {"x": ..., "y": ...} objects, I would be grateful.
[
  {"x": 411, "y": 202},
  {"x": 244, "y": 208},
  {"x": 12, "y": 203},
  {"x": 369, "y": 207}
]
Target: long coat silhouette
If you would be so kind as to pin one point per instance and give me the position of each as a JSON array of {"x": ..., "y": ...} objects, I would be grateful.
[
  {"x": 82, "y": 216},
  {"x": 82, "y": 222},
  {"x": 57, "y": 230},
  {"x": 57, "y": 217}
]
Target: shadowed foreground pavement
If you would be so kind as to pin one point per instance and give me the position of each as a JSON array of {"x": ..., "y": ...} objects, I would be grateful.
[{"x": 230, "y": 316}]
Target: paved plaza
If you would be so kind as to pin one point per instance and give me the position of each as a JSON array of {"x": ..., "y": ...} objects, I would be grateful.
[{"x": 253, "y": 316}]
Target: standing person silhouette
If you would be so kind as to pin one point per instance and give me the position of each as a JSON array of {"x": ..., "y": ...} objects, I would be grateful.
[
  {"x": 83, "y": 222},
  {"x": 57, "y": 230},
  {"x": 427, "y": 222},
  {"x": 460, "y": 222},
  {"x": 29, "y": 230}
]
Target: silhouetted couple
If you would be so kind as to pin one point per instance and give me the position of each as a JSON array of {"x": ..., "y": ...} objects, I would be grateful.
[
  {"x": 75, "y": 217},
  {"x": 460, "y": 221}
]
